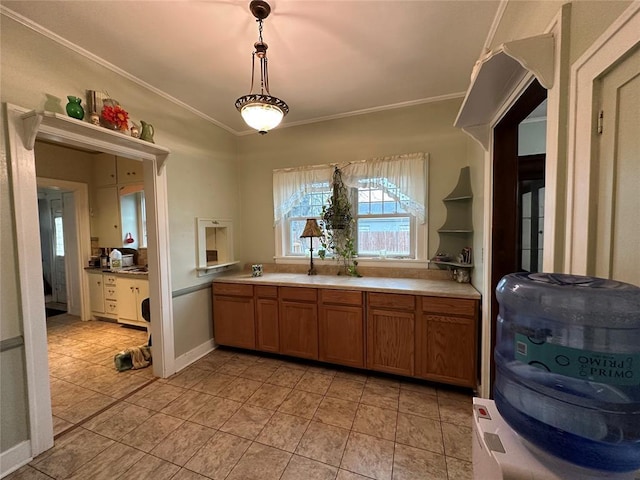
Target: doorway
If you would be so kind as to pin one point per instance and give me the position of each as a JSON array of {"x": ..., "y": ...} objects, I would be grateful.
[{"x": 518, "y": 197}]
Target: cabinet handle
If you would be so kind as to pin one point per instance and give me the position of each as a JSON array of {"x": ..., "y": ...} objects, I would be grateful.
[
  {"x": 131, "y": 289},
  {"x": 137, "y": 290},
  {"x": 98, "y": 283}
]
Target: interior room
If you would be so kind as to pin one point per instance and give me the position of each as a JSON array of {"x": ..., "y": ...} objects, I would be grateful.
[{"x": 468, "y": 140}]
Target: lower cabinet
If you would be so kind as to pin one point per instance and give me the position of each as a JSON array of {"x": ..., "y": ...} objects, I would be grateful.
[
  {"x": 267, "y": 323},
  {"x": 341, "y": 327},
  {"x": 446, "y": 339},
  {"x": 298, "y": 321},
  {"x": 130, "y": 293},
  {"x": 233, "y": 315},
  {"x": 103, "y": 295},
  {"x": 433, "y": 338},
  {"x": 391, "y": 333}
]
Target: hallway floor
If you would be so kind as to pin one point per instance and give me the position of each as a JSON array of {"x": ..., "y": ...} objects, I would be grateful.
[
  {"x": 241, "y": 416},
  {"x": 81, "y": 369}
]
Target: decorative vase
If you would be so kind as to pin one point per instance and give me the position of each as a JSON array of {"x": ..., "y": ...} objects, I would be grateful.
[
  {"x": 135, "y": 131},
  {"x": 113, "y": 116},
  {"x": 74, "y": 109},
  {"x": 147, "y": 132}
]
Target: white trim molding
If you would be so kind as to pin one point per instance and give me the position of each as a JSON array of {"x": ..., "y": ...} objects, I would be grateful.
[
  {"x": 14, "y": 458},
  {"x": 194, "y": 354},
  {"x": 613, "y": 44},
  {"x": 23, "y": 128}
]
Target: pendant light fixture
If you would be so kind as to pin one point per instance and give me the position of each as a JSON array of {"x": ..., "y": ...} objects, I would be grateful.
[{"x": 260, "y": 110}]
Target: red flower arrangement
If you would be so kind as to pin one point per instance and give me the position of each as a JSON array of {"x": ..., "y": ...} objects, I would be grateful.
[{"x": 114, "y": 115}]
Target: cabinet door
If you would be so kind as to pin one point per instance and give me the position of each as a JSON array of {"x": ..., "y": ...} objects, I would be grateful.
[
  {"x": 127, "y": 304},
  {"x": 129, "y": 171},
  {"x": 299, "y": 329},
  {"x": 233, "y": 321},
  {"x": 446, "y": 349},
  {"x": 103, "y": 171},
  {"x": 96, "y": 293},
  {"x": 142, "y": 292},
  {"x": 267, "y": 334},
  {"x": 106, "y": 216},
  {"x": 390, "y": 341},
  {"x": 342, "y": 335}
]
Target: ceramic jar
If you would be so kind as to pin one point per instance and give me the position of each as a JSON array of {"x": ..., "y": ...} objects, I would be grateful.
[{"x": 74, "y": 109}]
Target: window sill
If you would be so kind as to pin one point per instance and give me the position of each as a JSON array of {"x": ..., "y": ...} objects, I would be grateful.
[{"x": 362, "y": 262}]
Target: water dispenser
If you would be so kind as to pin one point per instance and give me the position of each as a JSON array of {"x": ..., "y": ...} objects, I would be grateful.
[{"x": 568, "y": 367}]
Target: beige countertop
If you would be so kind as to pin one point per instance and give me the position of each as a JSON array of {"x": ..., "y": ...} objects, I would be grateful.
[{"x": 440, "y": 288}]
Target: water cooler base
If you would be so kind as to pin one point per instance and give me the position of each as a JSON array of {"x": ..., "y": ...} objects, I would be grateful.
[{"x": 499, "y": 453}]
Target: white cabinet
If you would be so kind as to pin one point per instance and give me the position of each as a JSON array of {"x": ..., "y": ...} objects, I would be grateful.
[
  {"x": 103, "y": 295},
  {"x": 131, "y": 292},
  {"x": 104, "y": 170},
  {"x": 129, "y": 171},
  {"x": 105, "y": 211},
  {"x": 96, "y": 293}
]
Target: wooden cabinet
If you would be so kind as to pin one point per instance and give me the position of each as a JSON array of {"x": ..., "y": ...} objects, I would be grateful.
[
  {"x": 433, "y": 338},
  {"x": 105, "y": 216},
  {"x": 129, "y": 171},
  {"x": 267, "y": 323},
  {"x": 391, "y": 333},
  {"x": 233, "y": 315},
  {"x": 130, "y": 293},
  {"x": 341, "y": 327},
  {"x": 446, "y": 339},
  {"x": 298, "y": 315}
]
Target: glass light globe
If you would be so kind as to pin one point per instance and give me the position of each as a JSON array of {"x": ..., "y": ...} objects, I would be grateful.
[{"x": 262, "y": 116}]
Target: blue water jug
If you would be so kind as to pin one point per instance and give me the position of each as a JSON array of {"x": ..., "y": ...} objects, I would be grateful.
[{"x": 568, "y": 367}]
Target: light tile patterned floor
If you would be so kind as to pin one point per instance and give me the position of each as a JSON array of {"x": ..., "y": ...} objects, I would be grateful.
[
  {"x": 241, "y": 416},
  {"x": 81, "y": 368}
]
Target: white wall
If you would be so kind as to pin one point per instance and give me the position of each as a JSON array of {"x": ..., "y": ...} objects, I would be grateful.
[
  {"x": 422, "y": 128},
  {"x": 532, "y": 137}
]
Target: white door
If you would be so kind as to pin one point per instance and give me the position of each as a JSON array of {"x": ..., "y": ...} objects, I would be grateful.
[
  {"x": 59, "y": 281},
  {"x": 617, "y": 171}
]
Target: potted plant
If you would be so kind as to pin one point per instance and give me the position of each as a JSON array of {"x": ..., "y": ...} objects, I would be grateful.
[{"x": 337, "y": 225}]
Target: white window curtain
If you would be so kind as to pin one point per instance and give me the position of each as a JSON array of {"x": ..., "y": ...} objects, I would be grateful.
[
  {"x": 406, "y": 172},
  {"x": 291, "y": 184}
]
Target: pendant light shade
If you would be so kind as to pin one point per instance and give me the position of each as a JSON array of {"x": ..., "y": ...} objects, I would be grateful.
[{"x": 261, "y": 111}]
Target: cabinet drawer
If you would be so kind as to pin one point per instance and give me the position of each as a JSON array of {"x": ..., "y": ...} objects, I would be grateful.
[
  {"x": 233, "y": 289},
  {"x": 298, "y": 293},
  {"x": 264, "y": 291},
  {"x": 111, "y": 307},
  {"x": 392, "y": 300},
  {"x": 110, "y": 293},
  {"x": 109, "y": 279},
  {"x": 341, "y": 297},
  {"x": 449, "y": 306}
]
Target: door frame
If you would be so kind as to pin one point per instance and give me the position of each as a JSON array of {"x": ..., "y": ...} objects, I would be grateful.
[
  {"x": 581, "y": 212},
  {"x": 82, "y": 237},
  {"x": 554, "y": 181},
  {"x": 24, "y": 191}
]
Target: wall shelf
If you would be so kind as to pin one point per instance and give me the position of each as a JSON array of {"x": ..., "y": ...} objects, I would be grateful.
[
  {"x": 59, "y": 128},
  {"x": 457, "y": 231}
]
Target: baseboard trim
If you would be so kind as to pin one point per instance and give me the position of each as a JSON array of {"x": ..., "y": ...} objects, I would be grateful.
[
  {"x": 191, "y": 356},
  {"x": 14, "y": 458}
]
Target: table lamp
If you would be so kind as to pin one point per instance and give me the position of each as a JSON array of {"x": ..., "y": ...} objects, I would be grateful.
[{"x": 311, "y": 230}]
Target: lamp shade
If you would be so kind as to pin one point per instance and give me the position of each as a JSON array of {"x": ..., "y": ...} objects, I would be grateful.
[
  {"x": 311, "y": 229},
  {"x": 261, "y": 116}
]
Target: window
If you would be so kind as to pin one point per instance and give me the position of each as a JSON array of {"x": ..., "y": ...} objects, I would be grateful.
[{"x": 389, "y": 222}]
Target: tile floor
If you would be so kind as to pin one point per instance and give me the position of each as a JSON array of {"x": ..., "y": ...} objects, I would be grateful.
[
  {"x": 81, "y": 369},
  {"x": 244, "y": 416}
]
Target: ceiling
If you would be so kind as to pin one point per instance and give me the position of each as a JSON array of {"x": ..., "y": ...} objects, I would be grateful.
[{"x": 326, "y": 59}]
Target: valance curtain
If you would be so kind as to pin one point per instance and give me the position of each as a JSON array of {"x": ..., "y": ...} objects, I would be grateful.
[{"x": 407, "y": 173}]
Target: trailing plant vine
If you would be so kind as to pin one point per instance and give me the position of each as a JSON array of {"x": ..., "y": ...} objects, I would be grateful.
[{"x": 337, "y": 223}]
